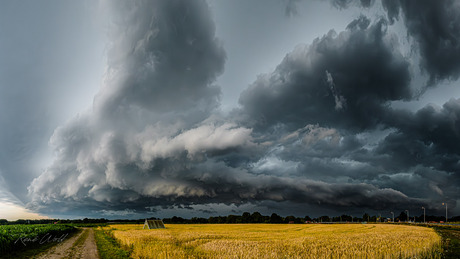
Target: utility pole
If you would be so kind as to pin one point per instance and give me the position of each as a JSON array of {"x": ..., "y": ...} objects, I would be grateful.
[
  {"x": 445, "y": 203},
  {"x": 423, "y": 214},
  {"x": 392, "y": 213},
  {"x": 407, "y": 215}
]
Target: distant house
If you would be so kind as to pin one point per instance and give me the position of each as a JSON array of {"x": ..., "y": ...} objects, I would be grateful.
[{"x": 153, "y": 224}]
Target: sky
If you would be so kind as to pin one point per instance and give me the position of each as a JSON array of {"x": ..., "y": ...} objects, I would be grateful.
[{"x": 133, "y": 109}]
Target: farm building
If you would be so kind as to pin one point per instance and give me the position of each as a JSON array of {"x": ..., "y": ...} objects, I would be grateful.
[{"x": 153, "y": 224}]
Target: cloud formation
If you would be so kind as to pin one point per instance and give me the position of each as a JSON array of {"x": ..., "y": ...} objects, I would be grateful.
[
  {"x": 363, "y": 65},
  {"x": 318, "y": 130},
  {"x": 436, "y": 27},
  {"x": 158, "y": 90}
]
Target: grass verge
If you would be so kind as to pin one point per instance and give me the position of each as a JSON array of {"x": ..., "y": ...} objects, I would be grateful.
[
  {"x": 450, "y": 241},
  {"x": 108, "y": 246}
]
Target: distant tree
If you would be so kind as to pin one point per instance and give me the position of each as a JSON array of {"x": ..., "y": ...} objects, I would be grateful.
[
  {"x": 213, "y": 220},
  {"x": 232, "y": 218},
  {"x": 246, "y": 217},
  {"x": 196, "y": 220},
  {"x": 455, "y": 219},
  {"x": 345, "y": 218},
  {"x": 324, "y": 219},
  {"x": 21, "y": 221},
  {"x": 435, "y": 218},
  {"x": 178, "y": 220},
  {"x": 402, "y": 216},
  {"x": 366, "y": 217},
  {"x": 275, "y": 218},
  {"x": 373, "y": 219},
  {"x": 307, "y": 218},
  {"x": 3, "y": 221},
  {"x": 266, "y": 219},
  {"x": 289, "y": 219},
  {"x": 222, "y": 219},
  {"x": 256, "y": 217}
]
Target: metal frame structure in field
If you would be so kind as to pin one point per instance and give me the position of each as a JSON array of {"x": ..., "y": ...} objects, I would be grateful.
[{"x": 153, "y": 224}]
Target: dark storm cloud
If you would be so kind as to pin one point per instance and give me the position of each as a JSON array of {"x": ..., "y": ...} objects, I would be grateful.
[
  {"x": 215, "y": 182},
  {"x": 318, "y": 103},
  {"x": 149, "y": 114},
  {"x": 428, "y": 137},
  {"x": 250, "y": 187},
  {"x": 346, "y": 3},
  {"x": 318, "y": 130},
  {"x": 435, "y": 25},
  {"x": 363, "y": 65},
  {"x": 165, "y": 58},
  {"x": 420, "y": 156}
]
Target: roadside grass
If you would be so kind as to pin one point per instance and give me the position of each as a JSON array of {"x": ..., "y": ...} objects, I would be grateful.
[
  {"x": 450, "y": 241},
  {"x": 108, "y": 247}
]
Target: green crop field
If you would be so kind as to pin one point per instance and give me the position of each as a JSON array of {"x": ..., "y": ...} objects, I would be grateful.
[{"x": 17, "y": 238}]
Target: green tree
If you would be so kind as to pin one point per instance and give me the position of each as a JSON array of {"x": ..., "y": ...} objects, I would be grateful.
[
  {"x": 275, "y": 218},
  {"x": 324, "y": 219},
  {"x": 246, "y": 217},
  {"x": 402, "y": 216},
  {"x": 289, "y": 219},
  {"x": 366, "y": 217},
  {"x": 232, "y": 218},
  {"x": 257, "y": 217}
]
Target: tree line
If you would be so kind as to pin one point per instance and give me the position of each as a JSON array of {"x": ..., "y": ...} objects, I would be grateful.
[
  {"x": 256, "y": 217},
  {"x": 246, "y": 217}
]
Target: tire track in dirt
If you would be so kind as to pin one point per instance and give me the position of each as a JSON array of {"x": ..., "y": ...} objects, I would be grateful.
[{"x": 82, "y": 245}]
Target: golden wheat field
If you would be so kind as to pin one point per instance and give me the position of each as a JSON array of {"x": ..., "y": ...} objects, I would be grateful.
[{"x": 279, "y": 241}]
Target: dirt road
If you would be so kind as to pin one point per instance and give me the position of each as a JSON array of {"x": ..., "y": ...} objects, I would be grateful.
[{"x": 82, "y": 245}]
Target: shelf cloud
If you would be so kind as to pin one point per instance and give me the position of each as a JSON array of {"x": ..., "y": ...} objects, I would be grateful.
[{"x": 318, "y": 131}]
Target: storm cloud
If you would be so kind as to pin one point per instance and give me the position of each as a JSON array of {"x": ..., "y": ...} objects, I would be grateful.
[
  {"x": 317, "y": 132},
  {"x": 340, "y": 80},
  {"x": 157, "y": 93}
]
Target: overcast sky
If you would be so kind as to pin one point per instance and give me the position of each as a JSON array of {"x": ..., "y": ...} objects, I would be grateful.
[{"x": 131, "y": 109}]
